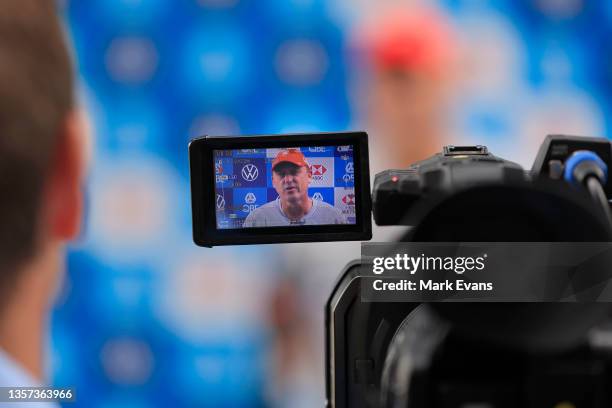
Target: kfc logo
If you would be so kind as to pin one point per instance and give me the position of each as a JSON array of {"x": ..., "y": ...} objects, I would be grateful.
[
  {"x": 318, "y": 169},
  {"x": 317, "y": 196},
  {"x": 349, "y": 199},
  {"x": 220, "y": 202},
  {"x": 249, "y": 172},
  {"x": 250, "y": 198}
]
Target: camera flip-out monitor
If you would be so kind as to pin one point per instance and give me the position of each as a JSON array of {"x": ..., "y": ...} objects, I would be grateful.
[{"x": 282, "y": 188}]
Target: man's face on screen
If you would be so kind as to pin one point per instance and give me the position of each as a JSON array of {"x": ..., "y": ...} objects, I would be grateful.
[{"x": 291, "y": 182}]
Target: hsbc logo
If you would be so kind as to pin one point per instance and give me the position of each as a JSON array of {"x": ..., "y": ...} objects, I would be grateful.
[
  {"x": 318, "y": 169},
  {"x": 249, "y": 172},
  {"x": 317, "y": 196},
  {"x": 220, "y": 202},
  {"x": 349, "y": 168},
  {"x": 250, "y": 198},
  {"x": 316, "y": 149},
  {"x": 349, "y": 199}
]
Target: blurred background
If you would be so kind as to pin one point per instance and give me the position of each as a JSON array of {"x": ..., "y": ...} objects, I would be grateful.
[{"x": 145, "y": 318}]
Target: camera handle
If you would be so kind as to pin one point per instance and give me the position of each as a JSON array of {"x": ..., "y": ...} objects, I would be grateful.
[{"x": 587, "y": 169}]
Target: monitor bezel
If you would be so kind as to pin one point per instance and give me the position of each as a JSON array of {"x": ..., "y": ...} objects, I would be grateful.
[{"x": 202, "y": 172}]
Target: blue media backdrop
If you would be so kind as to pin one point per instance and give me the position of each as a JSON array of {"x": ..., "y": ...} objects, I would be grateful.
[
  {"x": 146, "y": 319},
  {"x": 243, "y": 181}
]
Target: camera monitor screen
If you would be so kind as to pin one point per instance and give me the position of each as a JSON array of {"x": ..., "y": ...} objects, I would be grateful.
[
  {"x": 277, "y": 187},
  {"x": 286, "y": 188}
]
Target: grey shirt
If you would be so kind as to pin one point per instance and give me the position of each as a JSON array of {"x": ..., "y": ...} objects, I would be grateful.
[{"x": 271, "y": 215}]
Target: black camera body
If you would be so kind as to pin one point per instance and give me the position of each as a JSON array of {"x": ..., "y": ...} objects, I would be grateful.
[
  {"x": 433, "y": 179},
  {"x": 457, "y": 168},
  {"x": 402, "y": 354},
  {"x": 390, "y": 354}
]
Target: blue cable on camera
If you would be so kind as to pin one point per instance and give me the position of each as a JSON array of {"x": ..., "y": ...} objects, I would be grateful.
[{"x": 581, "y": 156}]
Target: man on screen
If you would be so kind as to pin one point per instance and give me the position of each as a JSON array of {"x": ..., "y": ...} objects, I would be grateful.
[{"x": 291, "y": 176}]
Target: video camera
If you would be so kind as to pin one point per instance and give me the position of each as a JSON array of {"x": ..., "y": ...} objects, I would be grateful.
[{"x": 315, "y": 187}]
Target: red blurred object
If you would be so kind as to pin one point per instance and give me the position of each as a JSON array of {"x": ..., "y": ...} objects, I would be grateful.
[{"x": 408, "y": 39}]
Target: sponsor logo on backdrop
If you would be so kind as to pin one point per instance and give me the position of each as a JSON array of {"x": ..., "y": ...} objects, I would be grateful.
[
  {"x": 318, "y": 169},
  {"x": 317, "y": 196},
  {"x": 249, "y": 172},
  {"x": 344, "y": 148},
  {"x": 219, "y": 176},
  {"x": 319, "y": 149},
  {"x": 349, "y": 199},
  {"x": 322, "y": 171},
  {"x": 249, "y": 203},
  {"x": 346, "y": 201},
  {"x": 349, "y": 171},
  {"x": 220, "y": 202},
  {"x": 250, "y": 198},
  {"x": 248, "y": 150}
]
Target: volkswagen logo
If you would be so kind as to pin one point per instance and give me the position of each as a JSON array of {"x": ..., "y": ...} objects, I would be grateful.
[
  {"x": 220, "y": 202},
  {"x": 250, "y": 198},
  {"x": 249, "y": 172}
]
